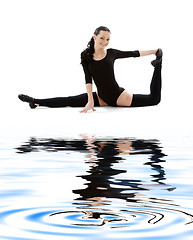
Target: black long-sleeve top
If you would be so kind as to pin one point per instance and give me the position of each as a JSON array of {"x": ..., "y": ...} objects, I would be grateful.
[{"x": 102, "y": 72}]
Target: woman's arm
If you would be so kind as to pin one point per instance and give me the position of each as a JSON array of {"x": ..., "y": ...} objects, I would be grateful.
[
  {"x": 148, "y": 52},
  {"x": 90, "y": 104},
  {"x": 124, "y": 54}
]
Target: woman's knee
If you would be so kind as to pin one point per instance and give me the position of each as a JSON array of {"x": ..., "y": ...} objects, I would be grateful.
[{"x": 156, "y": 101}]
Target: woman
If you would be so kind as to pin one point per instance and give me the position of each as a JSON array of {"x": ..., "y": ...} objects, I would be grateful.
[{"x": 98, "y": 64}]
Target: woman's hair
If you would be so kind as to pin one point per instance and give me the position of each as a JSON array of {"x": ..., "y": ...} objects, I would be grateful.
[{"x": 87, "y": 54}]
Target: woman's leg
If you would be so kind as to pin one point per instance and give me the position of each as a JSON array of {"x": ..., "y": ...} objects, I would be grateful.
[
  {"x": 71, "y": 101},
  {"x": 140, "y": 100}
]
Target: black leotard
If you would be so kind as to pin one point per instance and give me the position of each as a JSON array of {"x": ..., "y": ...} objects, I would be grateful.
[{"x": 102, "y": 72}]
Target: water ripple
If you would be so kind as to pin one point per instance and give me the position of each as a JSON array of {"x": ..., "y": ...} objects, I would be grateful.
[{"x": 80, "y": 223}]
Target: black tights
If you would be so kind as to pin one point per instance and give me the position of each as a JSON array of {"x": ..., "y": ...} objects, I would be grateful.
[
  {"x": 72, "y": 101},
  {"x": 139, "y": 100}
]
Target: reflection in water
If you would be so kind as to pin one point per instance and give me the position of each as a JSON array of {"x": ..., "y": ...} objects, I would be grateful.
[
  {"x": 104, "y": 182},
  {"x": 102, "y": 155}
]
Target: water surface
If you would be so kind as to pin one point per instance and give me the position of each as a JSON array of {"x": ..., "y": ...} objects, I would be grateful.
[{"x": 104, "y": 188}]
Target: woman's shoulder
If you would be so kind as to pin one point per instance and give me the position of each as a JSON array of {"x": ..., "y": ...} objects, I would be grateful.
[
  {"x": 83, "y": 54},
  {"x": 113, "y": 50},
  {"x": 85, "y": 58}
]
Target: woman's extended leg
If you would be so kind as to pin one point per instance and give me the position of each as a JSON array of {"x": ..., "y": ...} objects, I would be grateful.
[
  {"x": 71, "y": 101},
  {"x": 140, "y": 100}
]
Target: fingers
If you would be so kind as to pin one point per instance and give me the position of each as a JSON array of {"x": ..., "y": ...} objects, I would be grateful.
[{"x": 85, "y": 110}]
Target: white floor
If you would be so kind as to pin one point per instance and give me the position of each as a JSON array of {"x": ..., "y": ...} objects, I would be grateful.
[{"x": 156, "y": 122}]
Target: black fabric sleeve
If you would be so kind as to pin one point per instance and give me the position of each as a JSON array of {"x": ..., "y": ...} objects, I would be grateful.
[
  {"x": 124, "y": 54},
  {"x": 88, "y": 76}
]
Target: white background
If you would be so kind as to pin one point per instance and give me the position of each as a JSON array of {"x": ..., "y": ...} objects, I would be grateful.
[
  {"x": 41, "y": 42},
  {"x": 40, "y": 46}
]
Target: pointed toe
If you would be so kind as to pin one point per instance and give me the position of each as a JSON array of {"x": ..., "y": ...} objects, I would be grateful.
[{"x": 25, "y": 98}]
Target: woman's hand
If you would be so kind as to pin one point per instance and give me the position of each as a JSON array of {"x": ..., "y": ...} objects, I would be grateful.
[
  {"x": 89, "y": 106},
  {"x": 156, "y": 51}
]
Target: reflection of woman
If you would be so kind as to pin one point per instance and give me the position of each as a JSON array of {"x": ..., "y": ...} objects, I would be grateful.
[
  {"x": 98, "y": 64},
  {"x": 102, "y": 154},
  {"x": 101, "y": 182}
]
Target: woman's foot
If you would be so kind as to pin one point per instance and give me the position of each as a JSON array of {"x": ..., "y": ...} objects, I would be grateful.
[
  {"x": 158, "y": 59},
  {"x": 30, "y": 100}
]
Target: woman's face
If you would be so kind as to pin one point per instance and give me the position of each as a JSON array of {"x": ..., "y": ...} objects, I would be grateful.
[{"x": 102, "y": 39}]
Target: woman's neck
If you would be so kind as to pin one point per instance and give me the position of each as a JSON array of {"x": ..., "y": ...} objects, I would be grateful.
[
  {"x": 99, "y": 53},
  {"x": 99, "y": 50}
]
